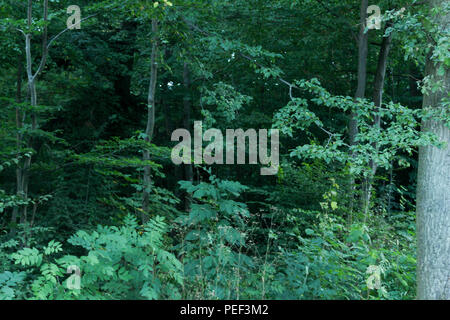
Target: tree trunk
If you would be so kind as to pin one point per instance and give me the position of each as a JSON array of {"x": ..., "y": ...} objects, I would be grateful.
[
  {"x": 150, "y": 120},
  {"x": 377, "y": 99},
  {"x": 360, "y": 91},
  {"x": 25, "y": 170},
  {"x": 18, "y": 143},
  {"x": 433, "y": 197},
  {"x": 362, "y": 68},
  {"x": 188, "y": 171}
]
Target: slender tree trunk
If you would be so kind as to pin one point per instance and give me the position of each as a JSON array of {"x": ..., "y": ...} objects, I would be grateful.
[
  {"x": 360, "y": 90},
  {"x": 188, "y": 170},
  {"x": 377, "y": 99},
  {"x": 150, "y": 120},
  {"x": 381, "y": 73},
  {"x": 23, "y": 175},
  {"x": 18, "y": 143},
  {"x": 433, "y": 195},
  {"x": 362, "y": 67}
]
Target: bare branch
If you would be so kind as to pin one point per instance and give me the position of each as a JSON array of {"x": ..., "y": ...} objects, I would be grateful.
[
  {"x": 66, "y": 29},
  {"x": 21, "y": 31}
]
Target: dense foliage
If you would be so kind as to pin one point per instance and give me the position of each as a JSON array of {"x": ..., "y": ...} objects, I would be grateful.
[{"x": 89, "y": 194}]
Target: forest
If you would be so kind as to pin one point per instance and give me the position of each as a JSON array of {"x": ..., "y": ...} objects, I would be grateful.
[{"x": 224, "y": 150}]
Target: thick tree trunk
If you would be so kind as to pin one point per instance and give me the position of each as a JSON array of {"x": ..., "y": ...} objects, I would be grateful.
[
  {"x": 433, "y": 198},
  {"x": 433, "y": 207},
  {"x": 150, "y": 120}
]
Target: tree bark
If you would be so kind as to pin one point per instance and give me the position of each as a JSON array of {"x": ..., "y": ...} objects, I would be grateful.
[
  {"x": 433, "y": 196},
  {"x": 150, "y": 120}
]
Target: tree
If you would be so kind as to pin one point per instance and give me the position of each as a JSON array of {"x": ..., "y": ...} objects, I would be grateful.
[
  {"x": 433, "y": 200},
  {"x": 150, "y": 117},
  {"x": 22, "y": 173}
]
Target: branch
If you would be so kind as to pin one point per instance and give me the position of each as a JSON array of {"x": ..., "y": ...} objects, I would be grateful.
[
  {"x": 199, "y": 30},
  {"x": 290, "y": 85},
  {"x": 21, "y": 31},
  {"x": 418, "y": 3},
  {"x": 66, "y": 29}
]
